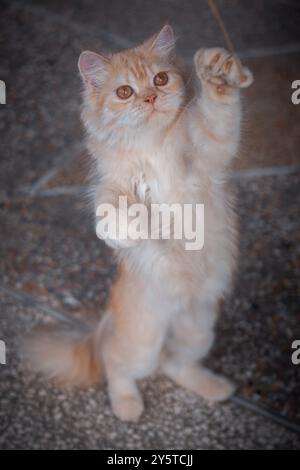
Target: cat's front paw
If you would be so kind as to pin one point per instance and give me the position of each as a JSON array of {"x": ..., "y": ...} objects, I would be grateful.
[
  {"x": 221, "y": 68},
  {"x": 117, "y": 228},
  {"x": 118, "y": 243}
]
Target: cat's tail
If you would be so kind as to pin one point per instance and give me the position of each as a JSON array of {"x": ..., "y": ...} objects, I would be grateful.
[{"x": 67, "y": 358}]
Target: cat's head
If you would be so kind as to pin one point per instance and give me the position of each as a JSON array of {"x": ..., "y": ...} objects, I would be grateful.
[{"x": 135, "y": 88}]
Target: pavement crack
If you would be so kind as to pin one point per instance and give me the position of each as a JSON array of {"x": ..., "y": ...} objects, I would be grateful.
[
  {"x": 30, "y": 301},
  {"x": 266, "y": 412}
]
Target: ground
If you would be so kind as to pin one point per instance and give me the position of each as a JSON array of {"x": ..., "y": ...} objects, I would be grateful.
[{"x": 53, "y": 267}]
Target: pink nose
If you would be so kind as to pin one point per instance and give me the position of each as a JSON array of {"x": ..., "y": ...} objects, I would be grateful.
[{"x": 150, "y": 99}]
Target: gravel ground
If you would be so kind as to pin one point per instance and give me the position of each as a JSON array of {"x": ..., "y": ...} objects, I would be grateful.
[{"x": 34, "y": 415}]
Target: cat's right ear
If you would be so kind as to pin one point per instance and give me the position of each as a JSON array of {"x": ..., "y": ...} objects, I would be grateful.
[
  {"x": 163, "y": 42},
  {"x": 92, "y": 68}
]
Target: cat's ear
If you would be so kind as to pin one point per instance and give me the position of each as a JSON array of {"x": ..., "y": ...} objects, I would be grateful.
[
  {"x": 163, "y": 43},
  {"x": 92, "y": 68}
]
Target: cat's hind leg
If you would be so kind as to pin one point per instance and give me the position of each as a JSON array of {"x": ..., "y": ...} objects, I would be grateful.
[
  {"x": 130, "y": 347},
  {"x": 125, "y": 398},
  {"x": 190, "y": 339}
]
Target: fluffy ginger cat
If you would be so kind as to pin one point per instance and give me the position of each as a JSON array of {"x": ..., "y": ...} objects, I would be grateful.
[{"x": 153, "y": 143}]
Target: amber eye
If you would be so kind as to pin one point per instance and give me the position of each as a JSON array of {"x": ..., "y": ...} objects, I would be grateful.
[
  {"x": 124, "y": 92},
  {"x": 161, "y": 79}
]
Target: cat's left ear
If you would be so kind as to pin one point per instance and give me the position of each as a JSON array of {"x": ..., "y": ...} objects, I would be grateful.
[
  {"x": 92, "y": 68},
  {"x": 163, "y": 43}
]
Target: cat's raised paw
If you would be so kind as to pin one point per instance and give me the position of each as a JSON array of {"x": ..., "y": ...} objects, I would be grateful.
[{"x": 220, "y": 67}]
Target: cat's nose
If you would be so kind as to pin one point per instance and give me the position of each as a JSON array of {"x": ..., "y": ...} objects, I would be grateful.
[{"x": 150, "y": 98}]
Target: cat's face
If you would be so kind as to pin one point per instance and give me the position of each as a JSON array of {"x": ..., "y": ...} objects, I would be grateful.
[
  {"x": 142, "y": 89},
  {"x": 136, "y": 88}
]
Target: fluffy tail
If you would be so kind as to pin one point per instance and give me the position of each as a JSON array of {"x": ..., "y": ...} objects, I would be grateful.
[{"x": 68, "y": 359}]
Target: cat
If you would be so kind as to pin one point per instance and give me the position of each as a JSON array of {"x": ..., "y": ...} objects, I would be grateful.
[{"x": 154, "y": 143}]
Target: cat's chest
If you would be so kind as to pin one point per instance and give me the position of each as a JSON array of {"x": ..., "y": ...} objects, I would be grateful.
[{"x": 154, "y": 181}]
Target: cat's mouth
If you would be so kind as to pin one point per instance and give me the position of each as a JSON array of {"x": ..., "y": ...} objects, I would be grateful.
[
  {"x": 156, "y": 110},
  {"x": 152, "y": 111}
]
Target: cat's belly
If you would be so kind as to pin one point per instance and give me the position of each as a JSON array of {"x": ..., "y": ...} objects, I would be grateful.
[{"x": 175, "y": 273}]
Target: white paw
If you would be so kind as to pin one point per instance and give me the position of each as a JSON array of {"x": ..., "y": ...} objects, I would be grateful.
[
  {"x": 220, "y": 67},
  {"x": 141, "y": 188},
  {"x": 116, "y": 229},
  {"x": 117, "y": 243},
  {"x": 128, "y": 408},
  {"x": 216, "y": 388}
]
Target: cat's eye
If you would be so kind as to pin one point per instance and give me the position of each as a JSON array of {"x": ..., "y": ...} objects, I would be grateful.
[
  {"x": 161, "y": 79},
  {"x": 124, "y": 92}
]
